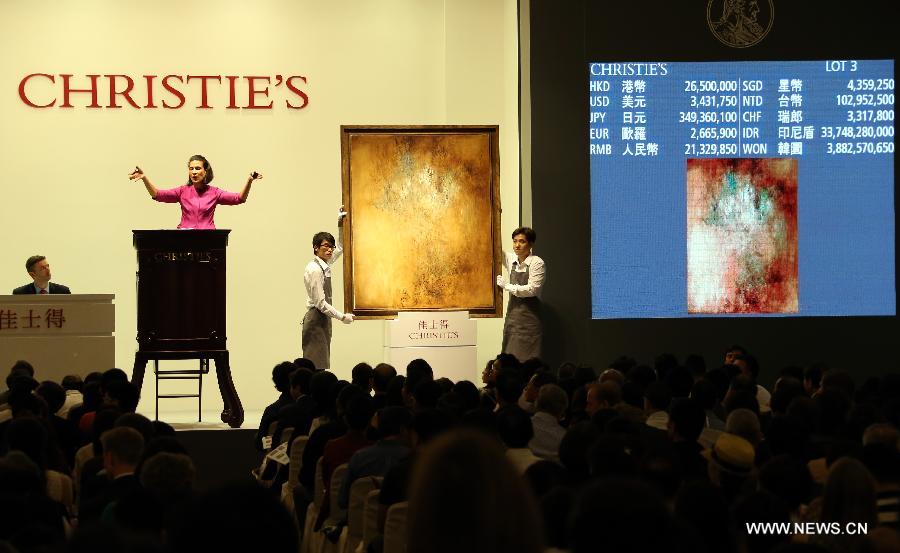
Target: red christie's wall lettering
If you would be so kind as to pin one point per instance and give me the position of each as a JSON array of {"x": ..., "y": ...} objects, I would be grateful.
[{"x": 115, "y": 91}]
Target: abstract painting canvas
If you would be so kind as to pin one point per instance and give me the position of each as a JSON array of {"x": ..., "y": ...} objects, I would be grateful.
[
  {"x": 742, "y": 236},
  {"x": 424, "y": 210}
]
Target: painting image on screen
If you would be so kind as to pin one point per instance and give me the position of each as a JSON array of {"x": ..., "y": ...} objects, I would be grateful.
[{"x": 742, "y": 235}]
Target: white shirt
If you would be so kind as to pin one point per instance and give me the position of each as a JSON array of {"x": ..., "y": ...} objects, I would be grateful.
[
  {"x": 534, "y": 265},
  {"x": 548, "y": 434},
  {"x": 521, "y": 458},
  {"x": 314, "y": 280},
  {"x": 73, "y": 398},
  {"x": 658, "y": 419}
]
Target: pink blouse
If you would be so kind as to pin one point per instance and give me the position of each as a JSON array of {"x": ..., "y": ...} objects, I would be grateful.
[{"x": 197, "y": 209}]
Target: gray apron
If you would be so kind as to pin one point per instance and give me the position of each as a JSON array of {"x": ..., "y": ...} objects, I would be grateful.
[
  {"x": 317, "y": 332},
  {"x": 522, "y": 329}
]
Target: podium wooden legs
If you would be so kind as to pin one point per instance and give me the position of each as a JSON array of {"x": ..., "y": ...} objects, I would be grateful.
[{"x": 233, "y": 412}]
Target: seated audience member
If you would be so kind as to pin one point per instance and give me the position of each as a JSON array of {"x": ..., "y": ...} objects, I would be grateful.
[
  {"x": 849, "y": 496},
  {"x": 88, "y": 471},
  {"x": 72, "y": 384},
  {"x": 381, "y": 377},
  {"x": 755, "y": 507},
  {"x": 663, "y": 364},
  {"x": 661, "y": 469},
  {"x": 733, "y": 353},
  {"x": 417, "y": 371},
  {"x": 394, "y": 395},
  {"x": 704, "y": 393},
  {"x": 831, "y": 406},
  {"x": 139, "y": 422},
  {"x": 376, "y": 460},
  {"x": 489, "y": 391},
  {"x": 281, "y": 377},
  {"x": 322, "y": 388},
  {"x": 745, "y": 423},
  {"x": 169, "y": 477},
  {"x": 551, "y": 406},
  {"x": 122, "y": 450},
  {"x": 731, "y": 465},
  {"x": 338, "y": 451},
  {"x": 445, "y": 384},
  {"x": 603, "y": 395},
  {"x": 686, "y": 421},
  {"x": 426, "y": 426},
  {"x": 29, "y": 434},
  {"x": 720, "y": 381},
  {"x": 64, "y": 431},
  {"x": 91, "y": 399},
  {"x": 509, "y": 385},
  {"x": 621, "y": 514},
  {"x": 680, "y": 381},
  {"x": 362, "y": 376},
  {"x": 642, "y": 375},
  {"x": 107, "y": 378},
  {"x": 465, "y": 496},
  {"x": 812, "y": 378},
  {"x": 530, "y": 393},
  {"x": 238, "y": 517},
  {"x": 696, "y": 365},
  {"x": 883, "y": 461},
  {"x": 788, "y": 477},
  {"x": 426, "y": 396},
  {"x": 613, "y": 455},
  {"x": 514, "y": 427},
  {"x": 468, "y": 395},
  {"x": 612, "y": 374},
  {"x": 701, "y": 505},
  {"x": 298, "y": 414},
  {"x": 839, "y": 379},
  {"x": 20, "y": 368},
  {"x": 741, "y": 394},
  {"x": 786, "y": 390},
  {"x": 123, "y": 396},
  {"x": 31, "y": 520},
  {"x": 881, "y": 433},
  {"x": 328, "y": 392},
  {"x": 574, "y": 448},
  {"x": 530, "y": 367},
  {"x": 749, "y": 366},
  {"x": 656, "y": 404},
  {"x": 166, "y": 488}
]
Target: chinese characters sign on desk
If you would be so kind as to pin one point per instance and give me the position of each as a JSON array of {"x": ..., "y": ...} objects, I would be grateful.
[{"x": 11, "y": 319}]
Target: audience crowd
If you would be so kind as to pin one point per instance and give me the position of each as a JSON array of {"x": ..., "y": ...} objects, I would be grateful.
[{"x": 631, "y": 458}]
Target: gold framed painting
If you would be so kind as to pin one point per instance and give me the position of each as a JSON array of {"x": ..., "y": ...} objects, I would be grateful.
[{"x": 423, "y": 229}]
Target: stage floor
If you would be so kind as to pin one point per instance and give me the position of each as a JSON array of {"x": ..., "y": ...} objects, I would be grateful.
[
  {"x": 210, "y": 420},
  {"x": 221, "y": 454}
]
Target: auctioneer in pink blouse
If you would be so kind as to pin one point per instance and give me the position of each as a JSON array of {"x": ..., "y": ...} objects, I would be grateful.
[{"x": 197, "y": 209}]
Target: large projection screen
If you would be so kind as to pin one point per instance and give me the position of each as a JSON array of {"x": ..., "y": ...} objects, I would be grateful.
[{"x": 741, "y": 189}]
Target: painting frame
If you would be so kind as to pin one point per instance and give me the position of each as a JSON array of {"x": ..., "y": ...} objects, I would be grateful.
[{"x": 355, "y": 185}]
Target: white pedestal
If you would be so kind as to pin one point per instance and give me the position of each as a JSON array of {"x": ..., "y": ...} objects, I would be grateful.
[{"x": 446, "y": 339}]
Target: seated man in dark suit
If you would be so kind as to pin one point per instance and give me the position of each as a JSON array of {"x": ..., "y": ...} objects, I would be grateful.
[{"x": 39, "y": 270}]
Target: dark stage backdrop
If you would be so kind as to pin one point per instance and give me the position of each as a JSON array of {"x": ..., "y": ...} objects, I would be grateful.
[{"x": 565, "y": 37}]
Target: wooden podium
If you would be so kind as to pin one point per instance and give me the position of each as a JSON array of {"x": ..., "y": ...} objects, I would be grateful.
[
  {"x": 59, "y": 334},
  {"x": 181, "y": 305}
]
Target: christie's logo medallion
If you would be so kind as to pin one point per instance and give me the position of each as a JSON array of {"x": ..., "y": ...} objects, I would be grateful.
[{"x": 740, "y": 23}]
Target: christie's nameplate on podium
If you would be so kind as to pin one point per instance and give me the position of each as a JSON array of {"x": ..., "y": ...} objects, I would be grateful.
[{"x": 446, "y": 339}]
